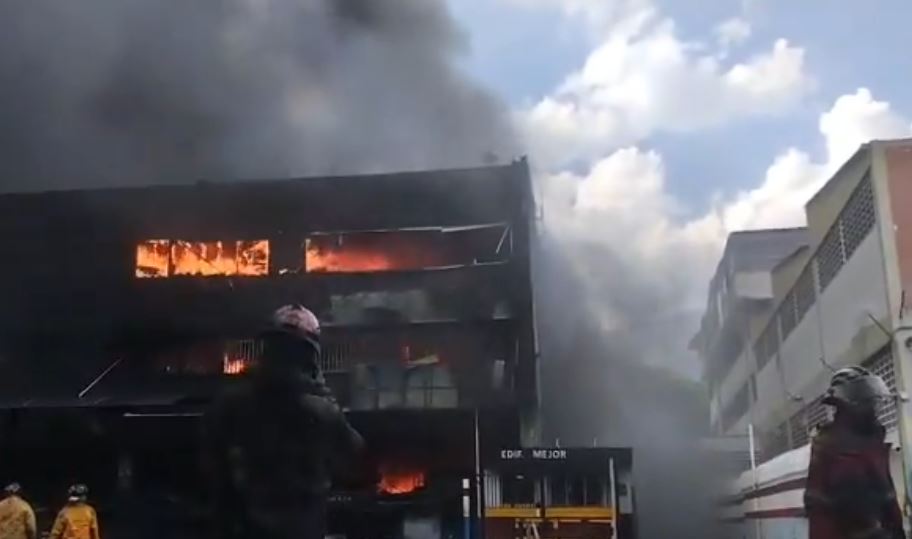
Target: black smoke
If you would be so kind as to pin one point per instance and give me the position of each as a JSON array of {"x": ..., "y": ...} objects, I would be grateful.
[
  {"x": 133, "y": 92},
  {"x": 138, "y": 92}
]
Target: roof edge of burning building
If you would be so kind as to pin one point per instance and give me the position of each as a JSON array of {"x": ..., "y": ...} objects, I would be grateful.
[{"x": 442, "y": 174}]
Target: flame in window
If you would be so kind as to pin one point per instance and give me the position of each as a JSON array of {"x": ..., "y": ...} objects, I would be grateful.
[
  {"x": 395, "y": 481},
  {"x": 203, "y": 258},
  {"x": 319, "y": 258},
  {"x": 370, "y": 252},
  {"x": 234, "y": 366},
  {"x": 165, "y": 258},
  {"x": 153, "y": 258},
  {"x": 253, "y": 257},
  {"x": 402, "y": 250}
]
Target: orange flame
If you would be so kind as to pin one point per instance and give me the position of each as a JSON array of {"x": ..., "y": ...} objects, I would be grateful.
[
  {"x": 152, "y": 258},
  {"x": 164, "y": 258},
  {"x": 400, "y": 482},
  {"x": 253, "y": 257},
  {"x": 369, "y": 252},
  {"x": 233, "y": 366},
  {"x": 203, "y": 258},
  {"x": 320, "y": 259}
]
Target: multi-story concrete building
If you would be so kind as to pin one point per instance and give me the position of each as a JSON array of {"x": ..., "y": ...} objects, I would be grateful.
[
  {"x": 739, "y": 303},
  {"x": 128, "y": 310},
  {"x": 787, "y": 307}
]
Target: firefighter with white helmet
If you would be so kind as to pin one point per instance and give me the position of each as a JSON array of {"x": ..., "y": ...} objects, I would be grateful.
[
  {"x": 270, "y": 443},
  {"x": 77, "y": 519},
  {"x": 17, "y": 519},
  {"x": 850, "y": 493}
]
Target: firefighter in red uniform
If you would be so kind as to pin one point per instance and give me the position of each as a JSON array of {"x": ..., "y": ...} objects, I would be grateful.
[{"x": 850, "y": 494}]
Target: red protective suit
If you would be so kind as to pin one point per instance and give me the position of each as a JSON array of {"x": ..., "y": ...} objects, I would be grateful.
[{"x": 850, "y": 494}]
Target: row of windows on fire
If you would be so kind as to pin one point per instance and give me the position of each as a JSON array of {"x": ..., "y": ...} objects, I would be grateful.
[
  {"x": 383, "y": 374},
  {"x": 852, "y": 226},
  {"x": 341, "y": 252}
]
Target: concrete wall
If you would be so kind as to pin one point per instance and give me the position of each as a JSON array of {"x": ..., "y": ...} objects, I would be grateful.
[
  {"x": 823, "y": 208},
  {"x": 740, "y": 426},
  {"x": 735, "y": 378},
  {"x": 787, "y": 272},
  {"x": 858, "y": 289},
  {"x": 753, "y": 284},
  {"x": 899, "y": 185},
  {"x": 800, "y": 354},
  {"x": 770, "y": 395},
  {"x": 836, "y": 328}
]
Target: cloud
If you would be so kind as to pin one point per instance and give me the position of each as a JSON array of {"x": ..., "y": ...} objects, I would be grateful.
[
  {"x": 794, "y": 176},
  {"x": 642, "y": 267},
  {"x": 647, "y": 79},
  {"x": 732, "y": 32},
  {"x": 855, "y": 119}
]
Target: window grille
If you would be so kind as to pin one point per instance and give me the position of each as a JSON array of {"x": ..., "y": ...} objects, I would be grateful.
[
  {"x": 798, "y": 425},
  {"x": 858, "y": 216},
  {"x": 767, "y": 345},
  {"x": 788, "y": 317},
  {"x": 805, "y": 293},
  {"x": 881, "y": 364},
  {"x": 830, "y": 256}
]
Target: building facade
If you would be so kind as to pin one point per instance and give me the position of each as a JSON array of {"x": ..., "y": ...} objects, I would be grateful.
[
  {"x": 128, "y": 310},
  {"x": 834, "y": 294},
  {"x": 549, "y": 493}
]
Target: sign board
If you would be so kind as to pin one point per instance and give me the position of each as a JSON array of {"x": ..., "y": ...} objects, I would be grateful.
[
  {"x": 528, "y": 459},
  {"x": 533, "y": 454}
]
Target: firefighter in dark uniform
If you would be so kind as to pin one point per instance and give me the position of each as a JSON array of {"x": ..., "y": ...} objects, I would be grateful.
[
  {"x": 850, "y": 493},
  {"x": 271, "y": 444}
]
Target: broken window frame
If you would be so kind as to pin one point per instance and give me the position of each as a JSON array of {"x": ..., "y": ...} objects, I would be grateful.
[{"x": 504, "y": 247}]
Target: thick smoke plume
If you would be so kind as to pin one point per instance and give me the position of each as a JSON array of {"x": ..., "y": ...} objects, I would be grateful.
[
  {"x": 598, "y": 387},
  {"x": 137, "y": 92},
  {"x": 132, "y": 92}
]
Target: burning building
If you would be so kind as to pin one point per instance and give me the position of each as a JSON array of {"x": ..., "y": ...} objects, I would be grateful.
[{"x": 126, "y": 310}]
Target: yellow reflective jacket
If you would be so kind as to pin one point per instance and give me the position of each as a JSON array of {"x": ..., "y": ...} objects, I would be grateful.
[
  {"x": 76, "y": 521},
  {"x": 17, "y": 520}
]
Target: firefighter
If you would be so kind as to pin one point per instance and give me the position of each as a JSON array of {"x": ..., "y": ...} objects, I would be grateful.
[
  {"x": 850, "y": 493},
  {"x": 77, "y": 519},
  {"x": 270, "y": 443},
  {"x": 17, "y": 519}
]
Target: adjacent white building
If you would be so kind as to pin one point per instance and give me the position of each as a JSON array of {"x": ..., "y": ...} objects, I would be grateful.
[{"x": 786, "y": 307}]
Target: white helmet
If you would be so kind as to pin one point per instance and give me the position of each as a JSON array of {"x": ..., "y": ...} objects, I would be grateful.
[{"x": 298, "y": 321}]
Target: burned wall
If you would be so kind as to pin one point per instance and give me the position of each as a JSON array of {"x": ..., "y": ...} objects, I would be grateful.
[
  {"x": 110, "y": 271},
  {"x": 75, "y": 252}
]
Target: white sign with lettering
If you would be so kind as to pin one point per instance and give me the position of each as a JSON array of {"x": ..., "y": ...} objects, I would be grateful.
[
  {"x": 536, "y": 454},
  {"x": 549, "y": 454}
]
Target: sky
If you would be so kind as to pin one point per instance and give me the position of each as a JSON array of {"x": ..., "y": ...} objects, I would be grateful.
[{"x": 657, "y": 127}]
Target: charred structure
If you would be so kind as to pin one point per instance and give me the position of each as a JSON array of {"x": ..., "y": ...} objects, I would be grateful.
[{"x": 126, "y": 310}]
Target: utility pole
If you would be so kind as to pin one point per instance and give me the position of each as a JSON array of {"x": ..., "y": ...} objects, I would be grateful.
[{"x": 902, "y": 365}]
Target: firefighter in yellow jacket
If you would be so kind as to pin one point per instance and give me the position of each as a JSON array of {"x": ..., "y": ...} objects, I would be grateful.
[
  {"x": 77, "y": 520},
  {"x": 17, "y": 519}
]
